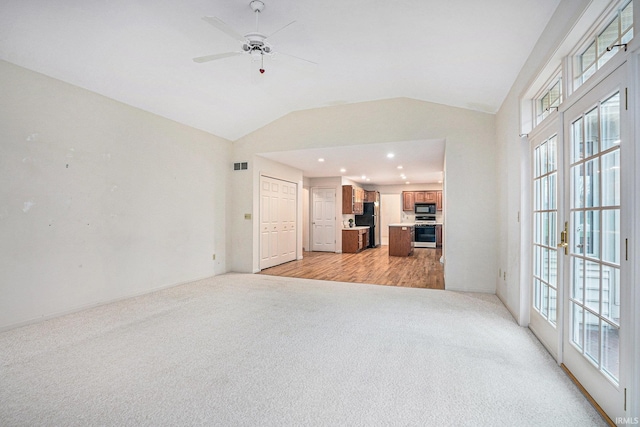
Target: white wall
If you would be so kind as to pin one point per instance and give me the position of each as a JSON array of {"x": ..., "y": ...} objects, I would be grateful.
[
  {"x": 511, "y": 287},
  {"x": 470, "y": 175},
  {"x": 99, "y": 200}
]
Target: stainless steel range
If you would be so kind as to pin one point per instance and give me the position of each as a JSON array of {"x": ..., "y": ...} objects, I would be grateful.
[{"x": 425, "y": 226}]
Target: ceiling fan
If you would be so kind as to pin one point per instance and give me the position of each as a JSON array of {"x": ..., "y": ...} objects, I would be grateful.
[{"x": 253, "y": 44}]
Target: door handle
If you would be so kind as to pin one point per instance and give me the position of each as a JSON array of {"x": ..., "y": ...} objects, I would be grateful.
[{"x": 564, "y": 239}]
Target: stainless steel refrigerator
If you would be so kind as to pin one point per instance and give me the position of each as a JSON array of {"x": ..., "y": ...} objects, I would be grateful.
[{"x": 371, "y": 218}]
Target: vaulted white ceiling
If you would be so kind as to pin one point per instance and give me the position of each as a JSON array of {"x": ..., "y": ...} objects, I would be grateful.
[{"x": 462, "y": 53}]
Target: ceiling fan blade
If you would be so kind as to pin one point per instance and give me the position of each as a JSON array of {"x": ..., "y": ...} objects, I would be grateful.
[
  {"x": 296, "y": 57},
  {"x": 208, "y": 58},
  {"x": 282, "y": 28},
  {"x": 220, "y": 25}
]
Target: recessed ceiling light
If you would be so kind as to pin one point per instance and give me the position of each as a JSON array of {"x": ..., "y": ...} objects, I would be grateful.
[
  {"x": 343, "y": 170},
  {"x": 407, "y": 183},
  {"x": 368, "y": 179},
  {"x": 390, "y": 156},
  {"x": 321, "y": 159},
  {"x": 399, "y": 166},
  {"x": 364, "y": 176}
]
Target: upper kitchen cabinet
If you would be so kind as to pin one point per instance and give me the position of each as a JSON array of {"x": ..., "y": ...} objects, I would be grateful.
[
  {"x": 410, "y": 198},
  {"x": 371, "y": 196},
  {"x": 352, "y": 200}
]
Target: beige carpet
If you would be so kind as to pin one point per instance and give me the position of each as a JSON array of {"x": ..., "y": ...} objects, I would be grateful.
[{"x": 253, "y": 350}]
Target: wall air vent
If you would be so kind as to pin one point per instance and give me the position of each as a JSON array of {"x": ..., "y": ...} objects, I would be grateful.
[{"x": 240, "y": 166}]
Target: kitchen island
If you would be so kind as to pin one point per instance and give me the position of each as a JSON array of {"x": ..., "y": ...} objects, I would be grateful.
[{"x": 401, "y": 237}]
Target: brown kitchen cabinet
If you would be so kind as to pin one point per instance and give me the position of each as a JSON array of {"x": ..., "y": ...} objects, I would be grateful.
[
  {"x": 401, "y": 239},
  {"x": 352, "y": 200},
  {"x": 371, "y": 196},
  {"x": 410, "y": 198},
  {"x": 438, "y": 235},
  {"x": 355, "y": 240}
]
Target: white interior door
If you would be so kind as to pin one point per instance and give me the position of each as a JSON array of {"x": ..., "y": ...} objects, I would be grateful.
[
  {"x": 323, "y": 224},
  {"x": 278, "y": 228},
  {"x": 390, "y": 213},
  {"x": 596, "y": 274}
]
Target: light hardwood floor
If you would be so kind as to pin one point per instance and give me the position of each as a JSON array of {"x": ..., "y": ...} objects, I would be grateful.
[{"x": 375, "y": 266}]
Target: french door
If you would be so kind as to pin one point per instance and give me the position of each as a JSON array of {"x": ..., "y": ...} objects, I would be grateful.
[
  {"x": 593, "y": 250},
  {"x": 579, "y": 217},
  {"x": 547, "y": 190}
]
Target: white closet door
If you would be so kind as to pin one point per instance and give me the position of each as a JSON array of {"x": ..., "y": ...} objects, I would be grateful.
[{"x": 278, "y": 201}]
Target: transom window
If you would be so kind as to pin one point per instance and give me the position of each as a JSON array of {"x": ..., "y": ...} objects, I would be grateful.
[
  {"x": 550, "y": 99},
  {"x": 617, "y": 32}
]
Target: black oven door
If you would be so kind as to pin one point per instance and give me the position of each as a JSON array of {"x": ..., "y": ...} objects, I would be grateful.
[{"x": 425, "y": 236}]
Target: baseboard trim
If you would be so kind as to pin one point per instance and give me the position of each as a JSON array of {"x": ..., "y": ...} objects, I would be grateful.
[
  {"x": 94, "y": 304},
  {"x": 591, "y": 400}
]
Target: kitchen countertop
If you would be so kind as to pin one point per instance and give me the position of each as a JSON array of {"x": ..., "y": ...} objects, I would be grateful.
[
  {"x": 356, "y": 227},
  {"x": 402, "y": 224}
]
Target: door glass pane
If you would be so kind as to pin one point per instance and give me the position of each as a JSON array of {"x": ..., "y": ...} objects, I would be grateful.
[
  {"x": 536, "y": 162},
  {"x": 611, "y": 236},
  {"x": 552, "y": 153},
  {"x": 545, "y": 228},
  {"x": 543, "y": 159},
  {"x": 545, "y": 301},
  {"x": 553, "y": 301},
  {"x": 592, "y": 183},
  {"x": 577, "y": 199},
  {"x": 553, "y": 268},
  {"x": 577, "y": 290},
  {"x": 553, "y": 229},
  {"x": 536, "y": 294},
  {"x": 577, "y": 234},
  {"x": 592, "y": 286},
  {"x": 592, "y": 233},
  {"x": 537, "y": 265},
  {"x": 544, "y": 193},
  {"x": 576, "y": 141},
  {"x": 545, "y": 264},
  {"x": 611, "y": 122},
  {"x": 610, "y": 350},
  {"x": 611, "y": 179},
  {"x": 592, "y": 336},
  {"x": 577, "y": 330},
  {"x": 591, "y": 133},
  {"x": 553, "y": 192},
  {"x": 611, "y": 294}
]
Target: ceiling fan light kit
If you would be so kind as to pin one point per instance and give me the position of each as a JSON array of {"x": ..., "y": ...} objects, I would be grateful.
[{"x": 253, "y": 43}]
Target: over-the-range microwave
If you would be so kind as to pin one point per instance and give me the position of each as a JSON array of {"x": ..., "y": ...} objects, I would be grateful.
[{"x": 425, "y": 208}]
